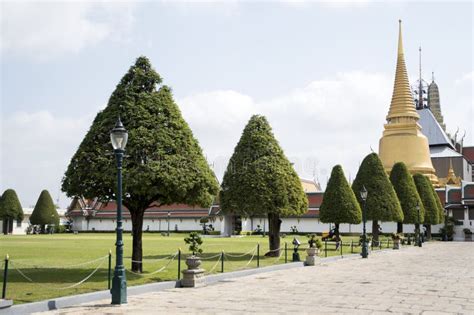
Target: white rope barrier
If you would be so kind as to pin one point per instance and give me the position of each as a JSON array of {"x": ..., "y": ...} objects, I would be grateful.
[
  {"x": 156, "y": 271},
  {"x": 61, "y": 267},
  {"x": 155, "y": 260},
  {"x": 61, "y": 288},
  {"x": 215, "y": 265},
  {"x": 242, "y": 255},
  {"x": 248, "y": 263},
  {"x": 211, "y": 257}
]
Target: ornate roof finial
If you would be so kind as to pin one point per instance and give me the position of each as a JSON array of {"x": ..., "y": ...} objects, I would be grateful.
[
  {"x": 420, "y": 87},
  {"x": 432, "y": 76},
  {"x": 402, "y": 104}
]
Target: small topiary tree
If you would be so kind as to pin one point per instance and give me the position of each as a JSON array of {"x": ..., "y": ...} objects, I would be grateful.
[
  {"x": 10, "y": 209},
  {"x": 434, "y": 214},
  {"x": 44, "y": 212},
  {"x": 424, "y": 187},
  {"x": 260, "y": 180},
  {"x": 407, "y": 194},
  {"x": 339, "y": 204},
  {"x": 194, "y": 241},
  {"x": 382, "y": 202}
]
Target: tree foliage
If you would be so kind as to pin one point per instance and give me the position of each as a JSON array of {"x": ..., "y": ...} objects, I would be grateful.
[
  {"x": 10, "y": 207},
  {"x": 260, "y": 180},
  {"x": 44, "y": 211},
  {"x": 439, "y": 206},
  {"x": 163, "y": 162},
  {"x": 407, "y": 193},
  {"x": 424, "y": 187},
  {"x": 382, "y": 202},
  {"x": 339, "y": 204}
]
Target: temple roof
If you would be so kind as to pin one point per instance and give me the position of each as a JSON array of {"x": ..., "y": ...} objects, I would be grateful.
[
  {"x": 443, "y": 151},
  {"x": 432, "y": 130}
]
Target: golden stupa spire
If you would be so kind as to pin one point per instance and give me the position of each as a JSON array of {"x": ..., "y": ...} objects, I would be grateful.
[
  {"x": 402, "y": 104},
  {"x": 402, "y": 139},
  {"x": 451, "y": 174}
]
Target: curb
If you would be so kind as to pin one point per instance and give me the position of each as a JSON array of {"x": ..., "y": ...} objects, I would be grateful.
[{"x": 68, "y": 301}]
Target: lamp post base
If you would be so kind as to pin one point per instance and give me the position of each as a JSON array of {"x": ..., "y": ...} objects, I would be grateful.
[
  {"x": 365, "y": 251},
  {"x": 119, "y": 287}
]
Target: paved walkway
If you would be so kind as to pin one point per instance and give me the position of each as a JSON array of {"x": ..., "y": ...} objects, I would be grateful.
[{"x": 435, "y": 279}]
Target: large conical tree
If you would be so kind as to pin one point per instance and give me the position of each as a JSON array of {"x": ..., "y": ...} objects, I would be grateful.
[
  {"x": 427, "y": 194},
  {"x": 407, "y": 194},
  {"x": 382, "y": 203},
  {"x": 339, "y": 204},
  {"x": 163, "y": 161},
  {"x": 260, "y": 180},
  {"x": 10, "y": 209},
  {"x": 45, "y": 211},
  {"x": 440, "y": 207}
]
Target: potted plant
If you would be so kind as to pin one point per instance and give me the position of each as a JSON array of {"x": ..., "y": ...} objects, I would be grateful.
[
  {"x": 396, "y": 238},
  {"x": 467, "y": 234},
  {"x": 313, "y": 249},
  {"x": 194, "y": 241}
]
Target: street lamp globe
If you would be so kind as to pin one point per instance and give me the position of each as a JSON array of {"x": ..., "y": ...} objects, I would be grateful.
[
  {"x": 119, "y": 136},
  {"x": 363, "y": 193}
]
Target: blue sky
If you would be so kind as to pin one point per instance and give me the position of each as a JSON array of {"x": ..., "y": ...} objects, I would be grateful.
[{"x": 321, "y": 72}]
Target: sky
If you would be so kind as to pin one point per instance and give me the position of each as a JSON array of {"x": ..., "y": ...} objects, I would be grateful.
[{"x": 321, "y": 72}]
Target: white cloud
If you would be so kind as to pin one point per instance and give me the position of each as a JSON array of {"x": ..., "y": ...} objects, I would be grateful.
[
  {"x": 35, "y": 149},
  {"x": 48, "y": 29},
  {"x": 325, "y": 123}
]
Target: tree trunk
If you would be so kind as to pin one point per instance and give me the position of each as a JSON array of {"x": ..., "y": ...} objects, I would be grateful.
[
  {"x": 375, "y": 232},
  {"x": 428, "y": 232},
  {"x": 400, "y": 227},
  {"x": 137, "y": 228},
  {"x": 274, "y": 224}
]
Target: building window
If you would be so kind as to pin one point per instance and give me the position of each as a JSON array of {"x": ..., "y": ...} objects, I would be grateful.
[
  {"x": 18, "y": 223},
  {"x": 471, "y": 214},
  {"x": 458, "y": 214}
]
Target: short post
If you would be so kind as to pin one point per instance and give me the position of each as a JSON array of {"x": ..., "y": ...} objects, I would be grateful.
[
  {"x": 380, "y": 244},
  {"x": 388, "y": 243},
  {"x": 222, "y": 262},
  {"x": 352, "y": 246},
  {"x": 286, "y": 252},
  {"x": 372, "y": 244},
  {"x": 109, "y": 278},
  {"x": 342, "y": 244},
  {"x": 325, "y": 248},
  {"x": 258, "y": 255},
  {"x": 179, "y": 263},
  {"x": 5, "y": 275}
]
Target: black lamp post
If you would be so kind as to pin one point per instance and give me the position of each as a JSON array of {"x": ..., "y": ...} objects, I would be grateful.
[
  {"x": 419, "y": 225},
  {"x": 119, "y": 137},
  {"x": 365, "y": 247},
  {"x": 169, "y": 214}
]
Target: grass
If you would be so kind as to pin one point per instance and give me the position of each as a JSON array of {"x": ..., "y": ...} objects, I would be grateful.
[{"x": 50, "y": 261}]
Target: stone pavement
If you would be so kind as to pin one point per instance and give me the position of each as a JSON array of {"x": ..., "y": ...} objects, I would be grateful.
[{"x": 435, "y": 279}]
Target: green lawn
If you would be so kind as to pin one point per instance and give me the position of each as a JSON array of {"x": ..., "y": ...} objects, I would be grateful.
[{"x": 50, "y": 261}]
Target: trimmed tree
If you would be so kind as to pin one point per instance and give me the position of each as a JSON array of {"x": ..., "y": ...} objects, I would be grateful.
[
  {"x": 45, "y": 211},
  {"x": 163, "y": 163},
  {"x": 425, "y": 189},
  {"x": 10, "y": 209},
  {"x": 407, "y": 194},
  {"x": 339, "y": 203},
  {"x": 440, "y": 207},
  {"x": 260, "y": 180},
  {"x": 382, "y": 203}
]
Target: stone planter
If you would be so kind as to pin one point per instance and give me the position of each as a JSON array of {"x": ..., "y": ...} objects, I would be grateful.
[
  {"x": 312, "y": 253},
  {"x": 193, "y": 262},
  {"x": 193, "y": 276}
]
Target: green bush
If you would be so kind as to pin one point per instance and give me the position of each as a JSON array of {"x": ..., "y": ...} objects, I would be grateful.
[
  {"x": 44, "y": 212},
  {"x": 339, "y": 204},
  {"x": 424, "y": 187},
  {"x": 10, "y": 207},
  {"x": 407, "y": 193}
]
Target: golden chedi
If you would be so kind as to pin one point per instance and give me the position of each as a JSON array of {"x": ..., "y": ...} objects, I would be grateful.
[{"x": 402, "y": 140}]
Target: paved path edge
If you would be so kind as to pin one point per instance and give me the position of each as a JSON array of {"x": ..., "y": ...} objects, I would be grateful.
[{"x": 67, "y": 301}]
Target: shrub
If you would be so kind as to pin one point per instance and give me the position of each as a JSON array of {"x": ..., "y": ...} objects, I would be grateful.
[{"x": 194, "y": 241}]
